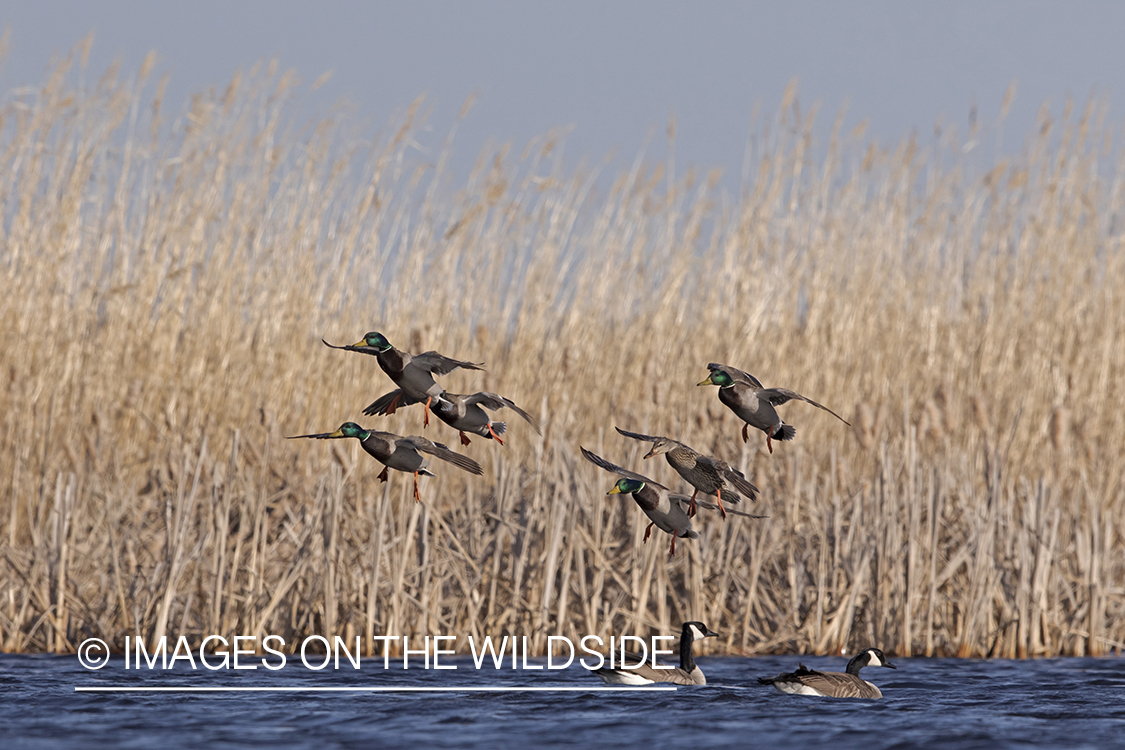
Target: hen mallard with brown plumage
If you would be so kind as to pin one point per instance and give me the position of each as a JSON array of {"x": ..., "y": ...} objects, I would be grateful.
[{"x": 705, "y": 474}]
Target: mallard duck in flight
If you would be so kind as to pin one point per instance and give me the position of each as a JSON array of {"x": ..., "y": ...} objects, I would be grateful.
[
  {"x": 412, "y": 373},
  {"x": 464, "y": 413},
  {"x": 400, "y": 453},
  {"x": 706, "y": 474},
  {"x": 754, "y": 404}
]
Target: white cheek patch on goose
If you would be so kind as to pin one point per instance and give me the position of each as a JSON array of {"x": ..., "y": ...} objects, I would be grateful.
[
  {"x": 873, "y": 659},
  {"x": 696, "y": 633}
]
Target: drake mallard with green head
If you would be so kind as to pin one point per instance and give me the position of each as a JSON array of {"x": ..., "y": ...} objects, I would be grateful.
[
  {"x": 412, "y": 373},
  {"x": 706, "y": 474},
  {"x": 665, "y": 509},
  {"x": 399, "y": 453},
  {"x": 754, "y": 404}
]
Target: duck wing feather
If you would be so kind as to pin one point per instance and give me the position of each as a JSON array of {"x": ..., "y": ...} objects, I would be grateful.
[
  {"x": 439, "y": 450},
  {"x": 779, "y": 396}
]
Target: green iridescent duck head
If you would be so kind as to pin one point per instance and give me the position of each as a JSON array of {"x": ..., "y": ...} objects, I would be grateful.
[
  {"x": 374, "y": 340},
  {"x": 626, "y": 486},
  {"x": 346, "y": 430},
  {"x": 718, "y": 377}
]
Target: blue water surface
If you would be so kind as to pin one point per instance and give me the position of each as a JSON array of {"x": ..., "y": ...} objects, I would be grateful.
[{"x": 947, "y": 703}]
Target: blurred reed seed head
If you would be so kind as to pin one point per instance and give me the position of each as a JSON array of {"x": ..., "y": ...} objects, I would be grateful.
[{"x": 1059, "y": 428}]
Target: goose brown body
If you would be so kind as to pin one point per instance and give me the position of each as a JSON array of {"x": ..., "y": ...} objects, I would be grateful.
[
  {"x": 687, "y": 673},
  {"x": 846, "y": 684}
]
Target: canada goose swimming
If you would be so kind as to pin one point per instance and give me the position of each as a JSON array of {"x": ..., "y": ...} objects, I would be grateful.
[
  {"x": 462, "y": 413},
  {"x": 400, "y": 453},
  {"x": 754, "y": 404},
  {"x": 706, "y": 474},
  {"x": 664, "y": 508},
  {"x": 688, "y": 673},
  {"x": 411, "y": 373},
  {"x": 833, "y": 684}
]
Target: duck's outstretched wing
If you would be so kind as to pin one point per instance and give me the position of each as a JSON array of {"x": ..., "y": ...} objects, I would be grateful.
[
  {"x": 730, "y": 475},
  {"x": 639, "y": 436},
  {"x": 613, "y": 468},
  {"x": 779, "y": 396},
  {"x": 382, "y": 405},
  {"x": 439, "y": 364},
  {"x": 439, "y": 450},
  {"x": 353, "y": 348},
  {"x": 495, "y": 402},
  {"x": 684, "y": 502}
]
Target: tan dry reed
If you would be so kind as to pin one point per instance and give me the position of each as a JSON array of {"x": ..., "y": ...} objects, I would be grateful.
[{"x": 167, "y": 278}]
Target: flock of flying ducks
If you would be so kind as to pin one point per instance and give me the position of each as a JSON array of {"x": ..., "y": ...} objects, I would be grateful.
[{"x": 669, "y": 511}]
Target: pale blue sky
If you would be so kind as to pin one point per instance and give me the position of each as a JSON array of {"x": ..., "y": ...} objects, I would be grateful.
[{"x": 614, "y": 70}]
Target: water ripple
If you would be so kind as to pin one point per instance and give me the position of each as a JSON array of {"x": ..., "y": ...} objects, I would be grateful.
[{"x": 938, "y": 703}]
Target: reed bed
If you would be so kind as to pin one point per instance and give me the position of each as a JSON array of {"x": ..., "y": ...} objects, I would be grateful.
[{"x": 168, "y": 274}]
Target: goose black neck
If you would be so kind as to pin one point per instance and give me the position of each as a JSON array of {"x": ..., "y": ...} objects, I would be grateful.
[
  {"x": 687, "y": 663},
  {"x": 857, "y": 663}
]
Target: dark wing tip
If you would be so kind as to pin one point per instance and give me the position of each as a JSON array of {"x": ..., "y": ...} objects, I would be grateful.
[
  {"x": 595, "y": 459},
  {"x": 464, "y": 462}
]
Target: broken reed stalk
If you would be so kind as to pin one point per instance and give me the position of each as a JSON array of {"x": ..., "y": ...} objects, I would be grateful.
[{"x": 167, "y": 280}]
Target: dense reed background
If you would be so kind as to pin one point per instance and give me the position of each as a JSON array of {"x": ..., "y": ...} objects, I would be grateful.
[{"x": 168, "y": 272}]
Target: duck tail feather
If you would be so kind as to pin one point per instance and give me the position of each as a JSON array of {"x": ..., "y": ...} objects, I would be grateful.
[{"x": 784, "y": 432}]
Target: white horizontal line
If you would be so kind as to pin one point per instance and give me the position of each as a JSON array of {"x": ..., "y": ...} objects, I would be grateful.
[{"x": 320, "y": 689}]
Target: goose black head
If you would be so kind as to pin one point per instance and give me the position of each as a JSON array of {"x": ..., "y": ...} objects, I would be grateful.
[
  {"x": 870, "y": 657},
  {"x": 698, "y": 630},
  {"x": 876, "y": 658}
]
